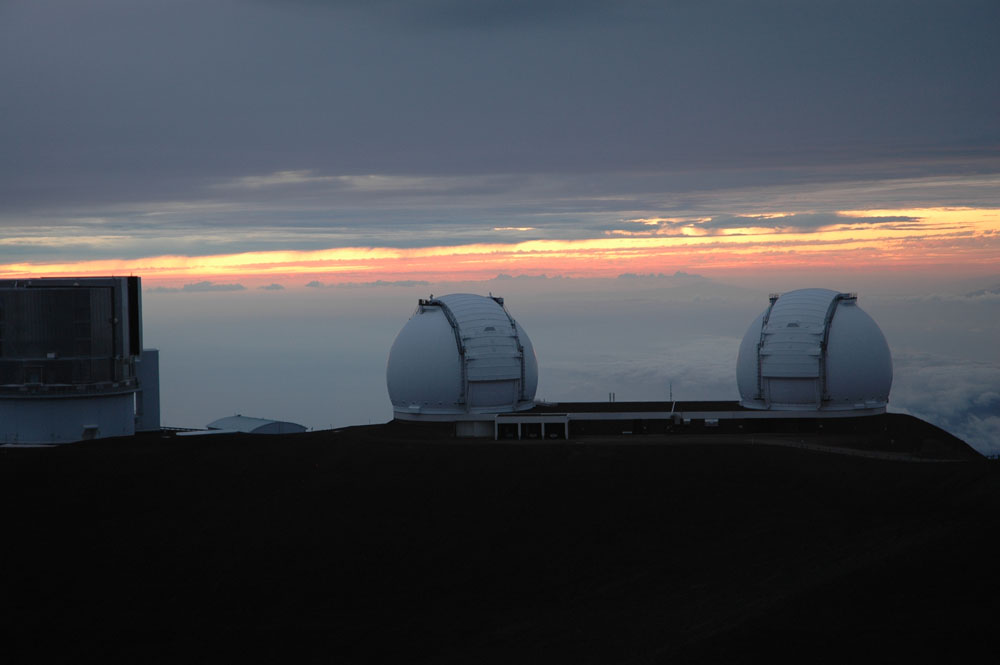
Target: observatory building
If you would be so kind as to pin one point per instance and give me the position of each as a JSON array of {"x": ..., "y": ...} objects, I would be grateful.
[
  {"x": 812, "y": 361},
  {"x": 248, "y": 425},
  {"x": 72, "y": 365},
  {"x": 461, "y": 358},
  {"x": 814, "y": 350}
]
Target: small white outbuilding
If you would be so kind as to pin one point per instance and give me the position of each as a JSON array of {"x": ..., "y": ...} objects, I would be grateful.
[{"x": 249, "y": 425}]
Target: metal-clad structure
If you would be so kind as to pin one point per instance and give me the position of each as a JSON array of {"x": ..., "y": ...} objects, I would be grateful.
[
  {"x": 461, "y": 354},
  {"x": 69, "y": 332},
  {"x": 814, "y": 349},
  {"x": 147, "y": 399},
  {"x": 68, "y": 353}
]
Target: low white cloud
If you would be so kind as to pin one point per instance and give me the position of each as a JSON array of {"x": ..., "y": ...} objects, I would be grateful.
[
  {"x": 384, "y": 282},
  {"x": 504, "y": 276},
  {"x": 786, "y": 222},
  {"x": 658, "y": 275},
  {"x": 212, "y": 286},
  {"x": 316, "y": 284},
  {"x": 278, "y": 178},
  {"x": 385, "y": 183},
  {"x": 959, "y": 396},
  {"x": 198, "y": 287},
  {"x": 373, "y": 182},
  {"x": 693, "y": 369},
  {"x": 62, "y": 240}
]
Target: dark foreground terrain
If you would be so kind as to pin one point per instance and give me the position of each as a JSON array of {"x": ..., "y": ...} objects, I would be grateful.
[{"x": 370, "y": 545}]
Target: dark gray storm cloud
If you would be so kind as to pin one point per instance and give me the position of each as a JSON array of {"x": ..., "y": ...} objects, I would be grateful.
[{"x": 154, "y": 100}]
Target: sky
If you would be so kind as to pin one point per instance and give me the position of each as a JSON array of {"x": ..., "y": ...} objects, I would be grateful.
[{"x": 233, "y": 152}]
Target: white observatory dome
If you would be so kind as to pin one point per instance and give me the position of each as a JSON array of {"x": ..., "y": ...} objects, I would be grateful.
[
  {"x": 814, "y": 349},
  {"x": 460, "y": 354}
]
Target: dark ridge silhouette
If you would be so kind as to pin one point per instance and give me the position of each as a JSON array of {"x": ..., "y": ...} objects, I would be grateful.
[{"x": 395, "y": 543}]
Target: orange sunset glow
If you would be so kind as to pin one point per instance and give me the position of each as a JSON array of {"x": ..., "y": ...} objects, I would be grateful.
[{"x": 929, "y": 237}]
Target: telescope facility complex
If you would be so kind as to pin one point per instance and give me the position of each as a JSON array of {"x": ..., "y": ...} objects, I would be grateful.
[
  {"x": 812, "y": 355},
  {"x": 72, "y": 367}
]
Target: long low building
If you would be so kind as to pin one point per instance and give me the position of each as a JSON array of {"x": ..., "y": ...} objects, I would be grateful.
[{"x": 560, "y": 420}]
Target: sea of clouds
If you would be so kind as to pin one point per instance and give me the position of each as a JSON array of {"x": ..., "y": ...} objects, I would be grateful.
[{"x": 316, "y": 355}]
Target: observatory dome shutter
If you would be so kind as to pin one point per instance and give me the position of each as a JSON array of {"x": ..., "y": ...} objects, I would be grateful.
[
  {"x": 792, "y": 338},
  {"x": 491, "y": 347},
  {"x": 793, "y": 346}
]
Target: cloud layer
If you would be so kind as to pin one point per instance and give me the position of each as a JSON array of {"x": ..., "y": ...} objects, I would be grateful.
[
  {"x": 317, "y": 356},
  {"x": 202, "y": 287},
  {"x": 960, "y": 396}
]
